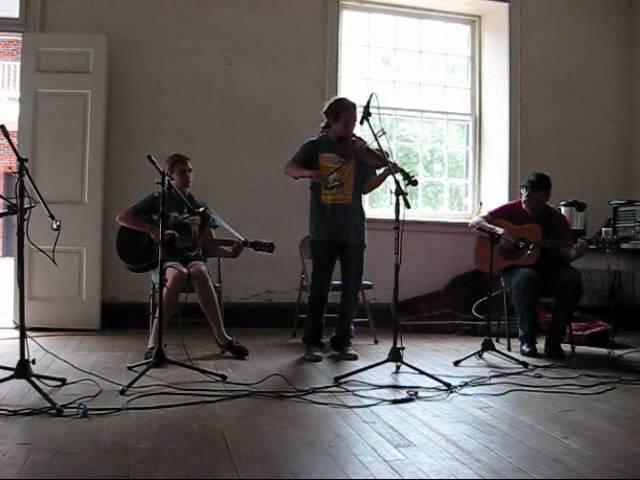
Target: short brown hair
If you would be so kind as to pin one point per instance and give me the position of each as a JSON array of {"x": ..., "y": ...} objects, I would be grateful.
[
  {"x": 176, "y": 159},
  {"x": 335, "y": 108}
]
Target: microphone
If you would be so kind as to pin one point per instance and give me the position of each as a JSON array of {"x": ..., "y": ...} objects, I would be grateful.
[
  {"x": 366, "y": 112},
  {"x": 5, "y": 132}
]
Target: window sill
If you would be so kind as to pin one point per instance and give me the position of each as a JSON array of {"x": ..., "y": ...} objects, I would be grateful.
[{"x": 457, "y": 227}]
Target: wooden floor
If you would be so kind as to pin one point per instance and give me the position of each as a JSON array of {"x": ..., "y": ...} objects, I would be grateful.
[{"x": 519, "y": 435}]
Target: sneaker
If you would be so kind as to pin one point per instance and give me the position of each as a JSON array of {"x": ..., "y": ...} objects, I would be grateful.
[
  {"x": 348, "y": 354},
  {"x": 528, "y": 349},
  {"x": 313, "y": 354},
  {"x": 554, "y": 351}
]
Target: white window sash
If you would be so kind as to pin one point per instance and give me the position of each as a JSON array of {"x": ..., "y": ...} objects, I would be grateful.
[{"x": 417, "y": 214}]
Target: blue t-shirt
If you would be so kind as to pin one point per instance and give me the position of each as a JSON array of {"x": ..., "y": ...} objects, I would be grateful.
[{"x": 336, "y": 211}]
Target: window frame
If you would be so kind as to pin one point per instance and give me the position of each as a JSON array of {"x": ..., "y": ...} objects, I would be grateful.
[
  {"x": 12, "y": 25},
  {"x": 474, "y": 21}
]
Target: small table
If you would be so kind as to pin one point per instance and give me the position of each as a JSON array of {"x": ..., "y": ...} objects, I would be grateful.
[{"x": 615, "y": 261}]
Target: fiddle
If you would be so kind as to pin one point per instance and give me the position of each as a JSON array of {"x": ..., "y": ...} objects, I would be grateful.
[{"x": 357, "y": 148}]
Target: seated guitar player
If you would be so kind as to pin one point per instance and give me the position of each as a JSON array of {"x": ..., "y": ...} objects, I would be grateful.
[
  {"x": 551, "y": 275},
  {"x": 185, "y": 266}
]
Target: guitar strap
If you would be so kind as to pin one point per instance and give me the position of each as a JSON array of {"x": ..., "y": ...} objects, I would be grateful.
[
  {"x": 218, "y": 218},
  {"x": 226, "y": 226}
]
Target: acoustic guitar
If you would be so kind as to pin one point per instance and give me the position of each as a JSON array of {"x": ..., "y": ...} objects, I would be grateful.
[
  {"x": 519, "y": 246},
  {"x": 139, "y": 252}
]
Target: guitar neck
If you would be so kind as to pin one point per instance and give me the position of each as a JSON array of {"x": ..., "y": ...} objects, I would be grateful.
[
  {"x": 552, "y": 244},
  {"x": 256, "y": 245},
  {"x": 558, "y": 244},
  {"x": 220, "y": 242}
]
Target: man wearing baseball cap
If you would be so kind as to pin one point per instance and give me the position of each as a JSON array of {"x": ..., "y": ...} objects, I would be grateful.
[{"x": 552, "y": 275}]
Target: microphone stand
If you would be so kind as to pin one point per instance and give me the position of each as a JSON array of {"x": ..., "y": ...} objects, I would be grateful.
[
  {"x": 488, "y": 346},
  {"x": 396, "y": 353},
  {"x": 196, "y": 211},
  {"x": 23, "y": 370},
  {"x": 159, "y": 357}
]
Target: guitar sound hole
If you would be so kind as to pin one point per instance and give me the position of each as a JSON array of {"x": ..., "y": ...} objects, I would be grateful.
[{"x": 515, "y": 250}]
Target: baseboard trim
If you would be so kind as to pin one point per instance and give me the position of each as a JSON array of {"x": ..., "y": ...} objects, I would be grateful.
[{"x": 126, "y": 315}]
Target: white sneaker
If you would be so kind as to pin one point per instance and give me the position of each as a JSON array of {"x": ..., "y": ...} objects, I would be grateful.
[
  {"x": 348, "y": 354},
  {"x": 313, "y": 354}
]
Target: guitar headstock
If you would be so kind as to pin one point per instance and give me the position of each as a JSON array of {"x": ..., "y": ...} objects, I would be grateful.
[{"x": 260, "y": 246}]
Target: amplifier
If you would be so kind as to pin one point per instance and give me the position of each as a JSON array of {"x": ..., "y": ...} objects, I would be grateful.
[{"x": 626, "y": 221}]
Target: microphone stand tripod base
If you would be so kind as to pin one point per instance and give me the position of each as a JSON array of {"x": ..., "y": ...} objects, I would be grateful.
[
  {"x": 488, "y": 346},
  {"x": 23, "y": 371},
  {"x": 159, "y": 360},
  {"x": 395, "y": 356}
]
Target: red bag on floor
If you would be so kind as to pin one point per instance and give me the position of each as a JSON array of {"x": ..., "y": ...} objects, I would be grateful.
[{"x": 587, "y": 330}]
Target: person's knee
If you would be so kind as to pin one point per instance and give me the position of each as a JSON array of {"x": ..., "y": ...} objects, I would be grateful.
[
  {"x": 199, "y": 274},
  {"x": 525, "y": 281},
  {"x": 176, "y": 278}
]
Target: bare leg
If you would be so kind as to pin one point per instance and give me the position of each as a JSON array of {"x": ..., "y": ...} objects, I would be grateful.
[
  {"x": 201, "y": 281},
  {"x": 176, "y": 279}
]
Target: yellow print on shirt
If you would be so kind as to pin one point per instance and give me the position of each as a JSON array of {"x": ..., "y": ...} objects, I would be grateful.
[{"x": 337, "y": 188}]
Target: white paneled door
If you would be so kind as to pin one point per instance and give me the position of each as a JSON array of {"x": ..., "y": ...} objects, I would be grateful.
[{"x": 62, "y": 132}]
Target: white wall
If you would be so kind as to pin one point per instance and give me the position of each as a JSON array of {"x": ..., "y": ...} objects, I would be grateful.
[
  {"x": 494, "y": 141},
  {"x": 575, "y": 98},
  {"x": 238, "y": 85}
]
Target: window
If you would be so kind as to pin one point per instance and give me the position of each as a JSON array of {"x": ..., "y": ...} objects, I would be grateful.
[
  {"x": 12, "y": 15},
  {"x": 423, "y": 68}
]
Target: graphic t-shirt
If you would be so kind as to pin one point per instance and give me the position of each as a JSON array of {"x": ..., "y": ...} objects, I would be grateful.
[{"x": 336, "y": 211}]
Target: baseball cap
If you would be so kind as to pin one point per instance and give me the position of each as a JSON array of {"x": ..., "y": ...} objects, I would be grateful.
[{"x": 537, "y": 182}]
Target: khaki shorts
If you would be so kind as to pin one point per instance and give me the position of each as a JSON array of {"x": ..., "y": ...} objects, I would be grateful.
[{"x": 174, "y": 264}]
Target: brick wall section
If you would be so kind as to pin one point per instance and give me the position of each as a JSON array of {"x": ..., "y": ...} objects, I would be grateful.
[{"x": 10, "y": 49}]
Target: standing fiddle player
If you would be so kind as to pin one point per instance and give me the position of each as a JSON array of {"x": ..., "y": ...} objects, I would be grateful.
[{"x": 342, "y": 169}]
